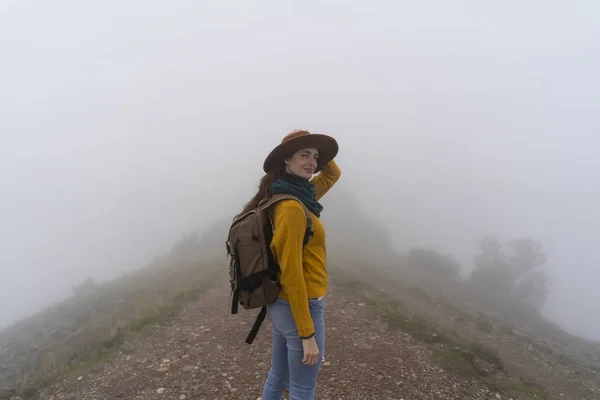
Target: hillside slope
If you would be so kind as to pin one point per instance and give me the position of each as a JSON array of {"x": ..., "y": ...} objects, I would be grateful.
[
  {"x": 384, "y": 340},
  {"x": 372, "y": 352},
  {"x": 201, "y": 354}
]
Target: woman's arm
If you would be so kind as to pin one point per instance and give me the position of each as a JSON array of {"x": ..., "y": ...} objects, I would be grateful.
[
  {"x": 325, "y": 179},
  {"x": 289, "y": 220}
]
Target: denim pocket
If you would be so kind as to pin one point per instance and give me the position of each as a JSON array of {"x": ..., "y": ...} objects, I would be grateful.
[{"x": 315, "y": 304}]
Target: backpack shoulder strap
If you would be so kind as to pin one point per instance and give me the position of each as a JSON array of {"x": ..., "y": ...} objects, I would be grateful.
[{"x": 278, "y": 197}]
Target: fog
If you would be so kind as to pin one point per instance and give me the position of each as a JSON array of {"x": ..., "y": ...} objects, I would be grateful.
[{"x": 124, "y": 125}]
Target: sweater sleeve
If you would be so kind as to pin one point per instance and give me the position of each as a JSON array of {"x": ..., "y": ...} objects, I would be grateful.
[
  {"x": 290, "y": 226},
  {"x": 325, "y": 179}
]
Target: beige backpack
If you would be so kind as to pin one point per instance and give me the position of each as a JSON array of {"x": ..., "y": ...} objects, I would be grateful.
[{"x": 252, "y": 269}]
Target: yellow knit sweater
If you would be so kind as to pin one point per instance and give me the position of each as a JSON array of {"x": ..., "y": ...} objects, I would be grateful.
[{"x": 303, "y": 273}]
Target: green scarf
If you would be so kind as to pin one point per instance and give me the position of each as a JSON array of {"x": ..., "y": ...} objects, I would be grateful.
[{"x": 299, "y": 187}]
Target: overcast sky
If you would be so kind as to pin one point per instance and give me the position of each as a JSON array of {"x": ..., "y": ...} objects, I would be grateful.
[{"x": 124, "y": 125}]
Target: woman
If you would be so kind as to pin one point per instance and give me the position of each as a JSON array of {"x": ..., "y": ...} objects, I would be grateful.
[{"x": 297, "y": 315}]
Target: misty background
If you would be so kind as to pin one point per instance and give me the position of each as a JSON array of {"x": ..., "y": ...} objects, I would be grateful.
[{"x": 124, "y": 125}]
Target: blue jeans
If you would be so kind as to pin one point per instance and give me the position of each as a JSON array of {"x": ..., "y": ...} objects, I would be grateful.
[{"x": 287, "y": 369}]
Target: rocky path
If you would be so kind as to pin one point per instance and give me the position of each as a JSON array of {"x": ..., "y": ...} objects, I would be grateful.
[{"x": 201, "y": 354}]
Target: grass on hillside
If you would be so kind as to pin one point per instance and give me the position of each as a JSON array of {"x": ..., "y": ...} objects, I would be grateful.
[
  {"x": 455, "y": 354},
  {"x": 96, "y": 325}
]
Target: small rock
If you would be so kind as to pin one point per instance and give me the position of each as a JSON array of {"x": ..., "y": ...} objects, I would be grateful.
[
  {"x": 326, "y": 364},
  {"x": 160, "y": 390},
  {"x": 163, "y": 369},
  {"x": 79, "y": 378},
  {"x": 188, "y": 368},
  {"x": 182, "y": 397}
]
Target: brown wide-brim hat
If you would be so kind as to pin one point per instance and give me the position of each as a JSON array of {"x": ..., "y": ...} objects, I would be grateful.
[{"x": 301, "y": 139}]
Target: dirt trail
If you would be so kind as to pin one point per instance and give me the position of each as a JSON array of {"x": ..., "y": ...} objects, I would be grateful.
[{"x": 201, "y": 354}]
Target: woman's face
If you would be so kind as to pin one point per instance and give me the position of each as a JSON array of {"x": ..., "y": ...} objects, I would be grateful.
[{"x": 303, "y": 163}]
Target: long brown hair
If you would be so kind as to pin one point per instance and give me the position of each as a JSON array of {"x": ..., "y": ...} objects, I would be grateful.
[{"x": 264, "y": 187}]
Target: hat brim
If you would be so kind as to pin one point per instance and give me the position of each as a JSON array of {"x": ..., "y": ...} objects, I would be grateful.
[{"x": 327, "y": 146}]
